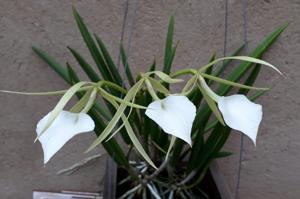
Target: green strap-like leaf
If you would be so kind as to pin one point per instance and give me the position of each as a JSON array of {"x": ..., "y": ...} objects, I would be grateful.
[
  {"x": 223, "y": 154},
  {"x": 171, "y": 58},
  {"x": 52, "y": 63},
  {"x": 85, "y": 66},
  {"x": 91, "y": 45},
  {"x": 169, "y": 45},
  {"x": 73, "y": 77},
  {"x": 152, "y": 67},
  {"x": 111, "y": 65},
  {"x": 126, "y": 66}
]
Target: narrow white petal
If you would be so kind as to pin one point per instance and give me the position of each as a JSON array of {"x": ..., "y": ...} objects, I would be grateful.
[
  {"x": 241, "y": 114},
  {"x": 64, "y": 127},
  {"x": 175, "y": 115}
]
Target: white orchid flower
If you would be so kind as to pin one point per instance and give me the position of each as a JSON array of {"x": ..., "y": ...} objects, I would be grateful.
[
  {"x": 241, "y": 114},
  {"x": 175, "y": 115},
  {"x": 238, "y": 112},
  {"x": 65, "y": 126}
]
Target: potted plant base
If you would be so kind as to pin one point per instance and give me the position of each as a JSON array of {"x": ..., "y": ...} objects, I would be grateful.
[{"x": 213, "y": 185}]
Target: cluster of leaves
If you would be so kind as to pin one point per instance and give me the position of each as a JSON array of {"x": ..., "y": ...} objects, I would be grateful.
[{"x": 186, "y": 166}]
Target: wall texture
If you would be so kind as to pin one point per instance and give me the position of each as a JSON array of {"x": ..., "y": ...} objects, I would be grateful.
[{"x": 270, "y": 170}]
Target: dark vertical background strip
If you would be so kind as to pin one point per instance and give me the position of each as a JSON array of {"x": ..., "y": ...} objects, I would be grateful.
[{"x": 111, "y": 166}]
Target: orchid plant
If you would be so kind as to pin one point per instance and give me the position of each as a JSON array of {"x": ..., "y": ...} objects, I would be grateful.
[{"x": 174, "y": 135}]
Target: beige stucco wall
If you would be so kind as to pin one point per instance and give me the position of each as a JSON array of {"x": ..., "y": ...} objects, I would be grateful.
[{"x": 271, "y": 170}]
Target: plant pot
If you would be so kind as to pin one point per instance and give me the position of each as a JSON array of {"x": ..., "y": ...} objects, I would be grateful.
[{"x": 213, "y": 184}]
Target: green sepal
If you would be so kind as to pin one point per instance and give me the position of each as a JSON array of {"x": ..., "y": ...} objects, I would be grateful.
[
  {"x": 212, "y": 105},
  {"x": 82, "y": 102},
  {"x": 158, "y": 86},
  {"x": 61, "y": 104},
  {"x": 164, "y": 77},
  {"x": 230, "y": 83},
  {"x": 113, "y": 122}
]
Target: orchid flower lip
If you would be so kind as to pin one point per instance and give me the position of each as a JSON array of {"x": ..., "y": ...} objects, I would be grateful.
[
  {"x": 237, "y": 111},
  {"x": 174, "y": 114},
  {"x": 63, "y": 128},
  {"x": 241, "y": 114}
]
